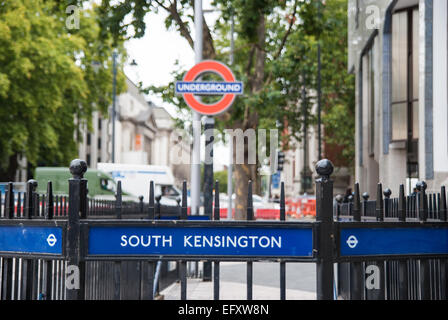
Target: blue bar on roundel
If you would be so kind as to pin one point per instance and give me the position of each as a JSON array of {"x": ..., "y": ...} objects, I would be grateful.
[
  {"x": 201, "y": 241},
  {"x": 393, "y": 241},
  {"x": 210, "y": 87},
  {"x": 31, "y": 239}
]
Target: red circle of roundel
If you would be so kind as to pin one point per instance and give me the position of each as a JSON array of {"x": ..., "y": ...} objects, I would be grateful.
[{"x": 219, "y": 69}]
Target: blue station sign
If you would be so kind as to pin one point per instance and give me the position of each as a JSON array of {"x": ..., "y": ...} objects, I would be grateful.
[
  {"x": 31, "y": 239},
  {"x": 393, "y": 241},
  {"x": 200, "y": 241}
]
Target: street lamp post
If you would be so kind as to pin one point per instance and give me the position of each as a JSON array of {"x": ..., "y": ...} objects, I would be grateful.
[
  {"x": 319, "y": 89},
  {"x": 230, "y": 168},
  {"x": 196, "y": 152},
  {"x": 306, "y": 184},
  {"x": 319, "y": 106},
  {"x": 114, "y": 98}
]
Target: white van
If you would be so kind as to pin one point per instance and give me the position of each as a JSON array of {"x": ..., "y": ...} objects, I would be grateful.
[{"x": 135, "y": 179}]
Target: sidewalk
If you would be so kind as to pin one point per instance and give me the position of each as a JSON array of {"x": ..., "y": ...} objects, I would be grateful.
[{"x": 200, "y": 290}]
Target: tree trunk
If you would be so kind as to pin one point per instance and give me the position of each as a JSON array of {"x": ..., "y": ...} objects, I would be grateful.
[
  {"x": 245, "y": 172},
  {"x": 9, "y": 174},
  {"x": 242, "y": 177}
]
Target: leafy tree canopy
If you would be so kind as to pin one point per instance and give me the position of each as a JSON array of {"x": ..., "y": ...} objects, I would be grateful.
[{"x": 51, "y": 79}]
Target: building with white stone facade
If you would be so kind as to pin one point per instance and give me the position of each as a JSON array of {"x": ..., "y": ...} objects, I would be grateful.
[{"x": 398, "y": 52}]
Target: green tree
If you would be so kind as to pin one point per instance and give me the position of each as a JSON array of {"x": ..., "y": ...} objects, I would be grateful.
[
  {"x": 275, "y": 57},
  {"x": 338, "y": 86},
  {"x": 221, "y": 177},
  {"x": 48, "y": 85}
]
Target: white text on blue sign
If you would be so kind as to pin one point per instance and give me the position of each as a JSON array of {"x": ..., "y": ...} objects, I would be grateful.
[{"x": 209, "y": 88}]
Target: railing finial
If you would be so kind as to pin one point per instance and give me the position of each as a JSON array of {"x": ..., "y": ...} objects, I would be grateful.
[
  {"x": 421, "y": 185},
  {"x": 339, "y": 198},
  {"x": 77, "y": 168},
  {"x": 324, "y": 168},
  {"x": 365, "y": 196}
]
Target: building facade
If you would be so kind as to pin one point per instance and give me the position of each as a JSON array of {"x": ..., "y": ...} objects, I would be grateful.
[
  {"x": 299, "y": 173},
  {"x": 168, "y": 149},
  {"x": 134, "y": 132},
  {"x": 294, "y": 168},
  {"x": 398, "y": 52},
  {"x": 143, "y": 135}
]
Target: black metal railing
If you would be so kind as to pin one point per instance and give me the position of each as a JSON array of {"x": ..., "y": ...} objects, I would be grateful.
[
  {"x": 70, "y": 247},
  {"x": 409, "y": 278}
]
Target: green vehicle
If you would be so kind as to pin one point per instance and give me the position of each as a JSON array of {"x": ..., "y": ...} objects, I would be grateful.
[{"x": 100, "y": 184}]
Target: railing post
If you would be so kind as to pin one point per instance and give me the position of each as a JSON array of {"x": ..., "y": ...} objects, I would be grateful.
[
  {"x": 140, "y": 204},
  {"x": 249, "y": 264},
  {"x": 118, "y": 201},
  {"x": 74, "y": 281},
  {"x": 425, "y": 289},
  {"x": 7, "y": 267},
  {"x": 443, "y": 262},
  {"x": 29, "y": 203},
  {"x": 324, "y": 216},
  {"x": 338, "y": 199},
  {"x": 151, "y": 209},
  {"x": 29, "y": 271},
  {"x": 216, "y": 217},
  {"x": 9, "y": 202},
  {"x": 148, "y": 291},
  {"x": 282, "y": 263},
  {"x": 365, "y": 197},
  {"x": 387, "y": 193},
  {"x": 183, "y": 263},
  {"x": 356, "y": 272},
  {"x": 341, "y": 267},
  {"x": 158, "y": 208},
  {"x": 48, "y": 264},
  {"x": 376, "y": 292},
  {"x": 402, "y": 264},
  {"x": 49, "y": 210},
  {"x": 118, "y": 264}
]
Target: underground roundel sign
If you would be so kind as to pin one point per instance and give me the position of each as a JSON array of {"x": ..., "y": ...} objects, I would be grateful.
[{"x": 228, "y": 88}]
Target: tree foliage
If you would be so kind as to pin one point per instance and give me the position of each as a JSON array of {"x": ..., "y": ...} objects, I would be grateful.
[
  {"x": 48, "y": 83},
  {"x": 276, "y": 58}
]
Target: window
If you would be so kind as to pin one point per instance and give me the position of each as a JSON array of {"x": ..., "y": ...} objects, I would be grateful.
[
  {"x": 108, "y": 185},
  {"x": 405, "y": 83},
  {"x": 169, "y": 191},
  {"x": 368, "y": 94},
  {"x": 405, "y": 74}
]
